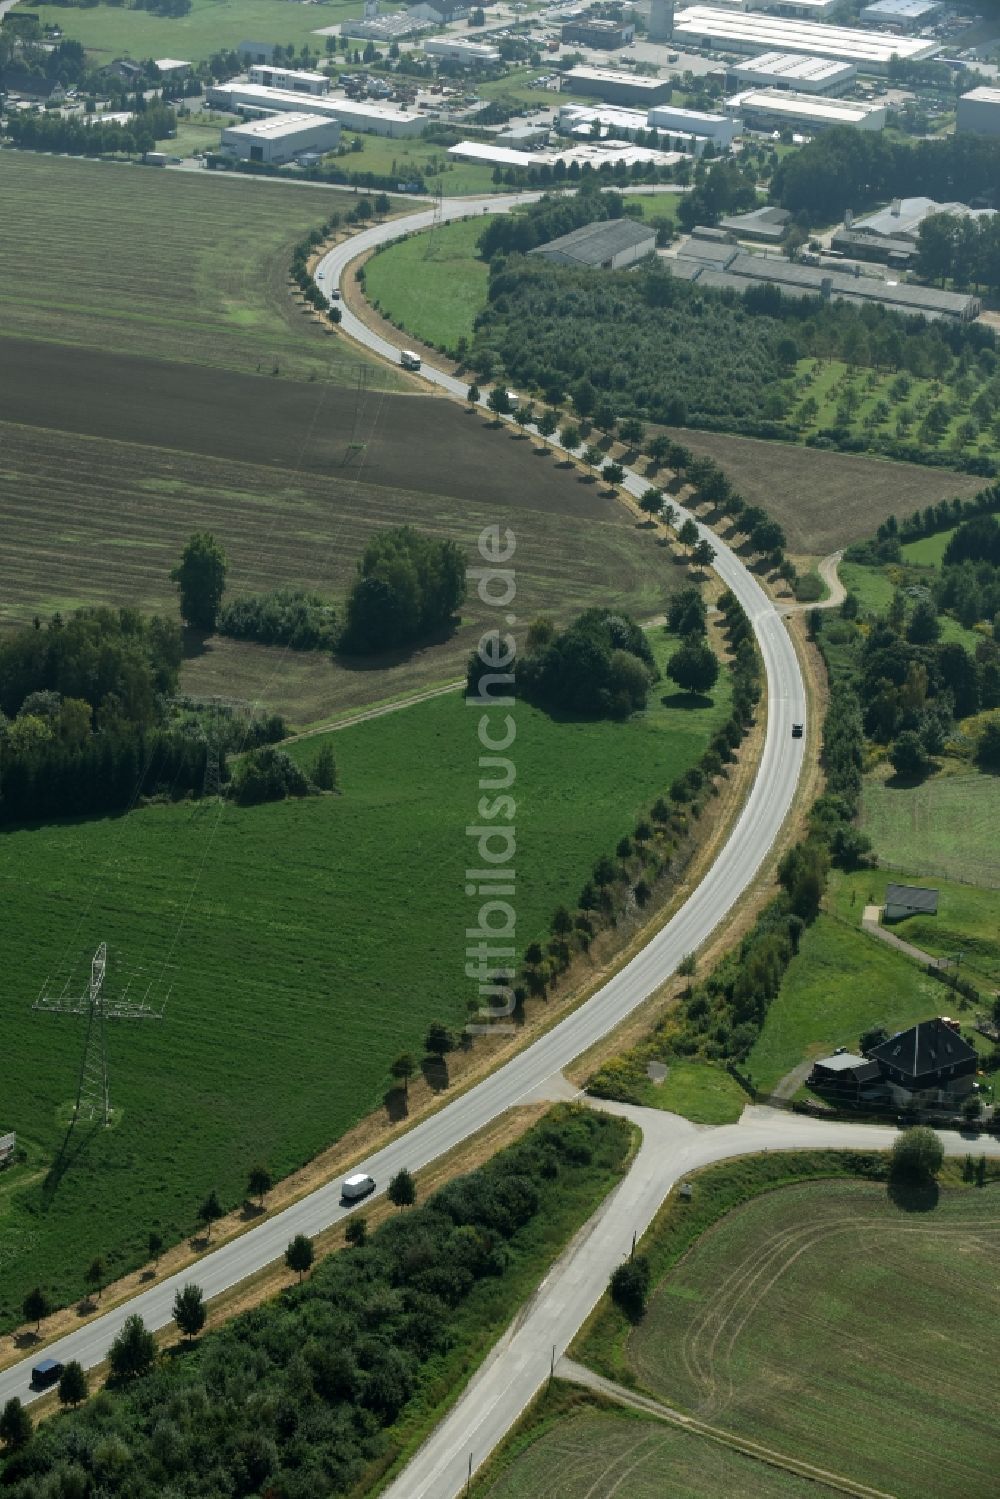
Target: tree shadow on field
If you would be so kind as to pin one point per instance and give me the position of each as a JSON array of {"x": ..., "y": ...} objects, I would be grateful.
[
  {"x": 400, "y": 655},
  {"x": 397, "y": 1105},
  {"x": 26, "y": 1339},
  {"x": 435, "y": 1071},
  {"x": 195, "y": 642},
  {"x": 250, "y": 1211},
  {"x": 686, "y": 700},
  {"x": 914, "y": 1197}
]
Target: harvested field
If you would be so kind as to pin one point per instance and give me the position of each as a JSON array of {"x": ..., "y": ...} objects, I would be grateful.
[
  {"x": 619, "y": 1455},
  {"x": 175, "y": 265},
  {"x": 362, "y": 436},
  {"x": 825, "y": 500},
  {"x": 88, "y": 520},
  {"x": 834, "y": 1324}
]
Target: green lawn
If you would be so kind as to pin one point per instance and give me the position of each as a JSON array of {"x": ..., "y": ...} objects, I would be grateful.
[
  {"x": 211, "y": 26},
  {"x": 204, "y": 277},
  {"x": 409, "y": 158},
  {"x": 698, "y": 1090},
  {"x": 841, "y": 982},
  {"x": 928, "y": 551},
  {"x": 433, "y": 284},
  {"x": 966, "y": 919},
  {"x": 944, "y": 828},
  {"x": 304, "y": 945},
  {"x": 832, "y": 1324}
]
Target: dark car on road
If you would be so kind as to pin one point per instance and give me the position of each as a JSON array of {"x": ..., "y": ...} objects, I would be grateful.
[
  {"x": 797, "y": 731},
  {"x": 47, "y": 1373}
]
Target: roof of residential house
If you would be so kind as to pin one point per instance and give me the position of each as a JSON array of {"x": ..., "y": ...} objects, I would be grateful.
[
  {"x": 917, "y": 897},
  {"x": 598, "y": 242},
  {"x": 925, "y": 1048}
]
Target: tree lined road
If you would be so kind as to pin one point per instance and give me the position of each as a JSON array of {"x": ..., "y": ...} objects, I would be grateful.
[
  {"x": 735, "y": 868},
  {"x": 520, "y": 1363}
]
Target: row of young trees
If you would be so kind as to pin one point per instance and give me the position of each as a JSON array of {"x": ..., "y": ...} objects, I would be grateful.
[{"x": 296, "y": 1397}]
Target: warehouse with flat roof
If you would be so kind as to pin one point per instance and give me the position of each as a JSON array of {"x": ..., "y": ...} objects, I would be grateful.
[
  {"x": 375, "y": 119},
  {"x": 297, "y": 80},
  {"x": 909, "y": 15},
  {"x": 617, "y": 87},
  {"x": 579, "y": 120},
  {"x": 979, "y": 110},
  {"x": 721, "y": 129},
  {"x": 806, "y": 75},
  {"x": 280, "y": 138},
  {"x": 705, "y": 26},
  {"x": 774, "y": 109},
  {"x": 457, "y": 49}
]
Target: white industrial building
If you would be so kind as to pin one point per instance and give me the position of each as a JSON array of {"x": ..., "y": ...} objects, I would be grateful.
[
  {"x": 909, "y": 15},
  {"x": 374, "y": 119},
  {"x": 294, "y": 79},
  {"x": 587, "y": 153},
  {"x": 718, "y": 128},
  {"x": 979, "y": 110},
  {"x": 706, "y": 26},
  {"x": 578, "y": 120},
  {"x": 775, "y": 109},
  {"x": 457, "y": 49},
  {"x": 172, "y": 67},
  {"x": 806, "y": 75},
  {"x": 280, "y": 138},
  {"x": 377, "y": 119},
  {"x": 621, "y": 122}
]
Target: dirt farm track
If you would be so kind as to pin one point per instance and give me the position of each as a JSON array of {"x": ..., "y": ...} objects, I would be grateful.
[{"x": 366, "y": 436}]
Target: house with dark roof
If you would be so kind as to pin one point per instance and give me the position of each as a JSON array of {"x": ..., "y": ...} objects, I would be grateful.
[
  {"x": 928, "y": 1064},
  {"x": 909, "y": 900},
  {"x": 607, "y": 245}
]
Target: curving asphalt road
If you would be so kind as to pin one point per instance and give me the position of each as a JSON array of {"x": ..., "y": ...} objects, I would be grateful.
[
  {"x": 519, "y": 1364},
  {"x": 705, "y": 909}
]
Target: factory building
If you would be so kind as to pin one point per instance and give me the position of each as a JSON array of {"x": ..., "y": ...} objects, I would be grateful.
[
  {"x": 704, "y": 26},
  {"x": 608, "y": 245},
  {"x": 579, "y": 120},
  {"x": 794, "y": 280},
  {"x": 593, "y": 31},
  {"x": 979, "y": 110},
  {"x": 296, "y": 81},
  {"x": 456, "y": 49},
  {"x": 393, "y": 28},
  {"x": 593, "y": 154},
  {"x": 775, "y": 109},
  {"x": 280, "y": 138},
  {"x": 373, "y": 119},
  {"x": 617, "y": 87},
  {"x": 722, "y": 129},
  {"x": 908, "y": 15},
  {"x": 806, "y": 75},
  {"x": 904, "y": 216}
]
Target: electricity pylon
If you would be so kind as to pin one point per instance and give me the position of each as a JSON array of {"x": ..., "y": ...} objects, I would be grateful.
[{"x": 93, "y": 1096}]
